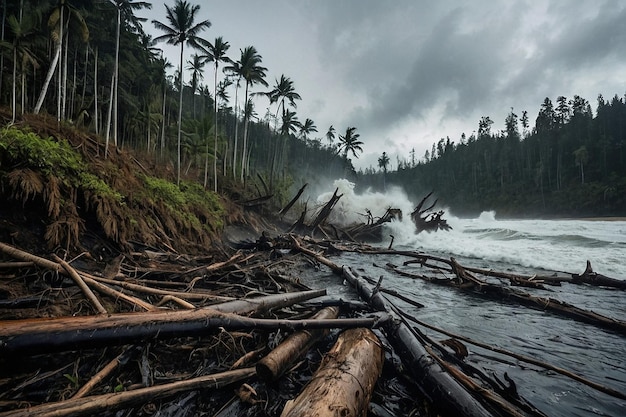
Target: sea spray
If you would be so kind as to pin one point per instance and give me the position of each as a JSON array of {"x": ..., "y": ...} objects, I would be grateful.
[
  {"x": 353, "y": 208},
  {"x": 551, "y": 245}
]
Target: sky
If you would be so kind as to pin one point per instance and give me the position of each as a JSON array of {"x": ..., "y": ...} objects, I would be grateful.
[{"x": 407, "y": 73}]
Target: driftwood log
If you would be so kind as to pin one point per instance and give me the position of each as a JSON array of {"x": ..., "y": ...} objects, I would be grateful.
[
  {"x": 272, "y": 366},
  {"x": 448, "y": 396},
  {"x": 71, "y": 333},
  {"x": 99, "y": 404},
  {"x": 593, "y": 278},
  {"x": 343, "y": 384}
]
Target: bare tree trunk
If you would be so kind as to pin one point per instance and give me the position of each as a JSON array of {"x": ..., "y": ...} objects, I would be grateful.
[
  {"x": 95, "y": 92},
  {"x": 46, "y": 83},
  {"x": 344, "y": 383},
  {"x": 100, "y": 404},
  {"x": 271, "y": 367}
]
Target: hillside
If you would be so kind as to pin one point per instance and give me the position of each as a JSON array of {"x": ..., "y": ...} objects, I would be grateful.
[{"x": 59, "y": 191}]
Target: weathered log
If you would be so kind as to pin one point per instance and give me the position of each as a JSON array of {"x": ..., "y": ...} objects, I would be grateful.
[
  {"x": 272, "y": 366},
  {"x": 321, "y": 259},
  {"x": 148, "y": 290},
  {"x": 99, "y": 404},
  {"x": 71, "y": 333},
  {"x": 532, "y": 281},
  {"x": 19, "y": 337},
  {"x": 543, "y": 303},
  {"x": 447, "y": 395},
  {"x": 27, "y": 257},
  {"x": 556, "y": 306},
  {"x": 593, "y": 278},
  {"x": 343, "y": 384},
  {"x": 23, "y": 336},
  {"x": 134, "y": 301}
]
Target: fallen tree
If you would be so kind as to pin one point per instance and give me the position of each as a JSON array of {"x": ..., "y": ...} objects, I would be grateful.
[
  {"x": 343, "y": 384},
  {"x": 272, "y": 366}
]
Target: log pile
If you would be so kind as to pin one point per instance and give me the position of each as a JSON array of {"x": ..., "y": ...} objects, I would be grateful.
[{"x": 242, "y": 335}]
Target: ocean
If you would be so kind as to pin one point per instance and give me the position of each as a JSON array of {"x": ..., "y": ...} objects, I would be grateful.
[{"x": 528, "y": 247}]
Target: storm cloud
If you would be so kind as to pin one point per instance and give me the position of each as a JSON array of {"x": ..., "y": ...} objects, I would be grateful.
[{"x": 407, "y": 73}]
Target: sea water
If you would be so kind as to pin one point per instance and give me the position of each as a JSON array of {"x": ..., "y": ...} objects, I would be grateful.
[{"x": 516, "y": 246}]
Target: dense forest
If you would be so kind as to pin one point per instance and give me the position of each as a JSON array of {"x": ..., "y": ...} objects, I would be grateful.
[
  {"x": 571, "y": 163},
  {"x": 91, "y": 64}
]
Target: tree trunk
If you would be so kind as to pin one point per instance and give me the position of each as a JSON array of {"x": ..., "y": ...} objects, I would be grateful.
[
  {"x": 106, "y": 403},
  {"x": 25, "y": 333},
  {"x": 32, "y": 336},
  {"x": 180, "y": 112},
  {"x": 46, "y": 83},
  {"x": 343, "y": 384},
  {"x": 271, "y": 367},
  {"x": 95, "y": 92}
]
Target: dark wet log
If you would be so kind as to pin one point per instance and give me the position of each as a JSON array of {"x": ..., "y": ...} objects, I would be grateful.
[
  {"x": 99, "y": 404},
  {"x": 299, "y": 224},
  {"x": 21, "y": 336},
  {"x": 599, "y": 280},
  {"x": 555, "y": 306},
  {"x": 293, "y": 201},
  {"x": 272, "y": 366},
  {"x": 533, "y": 281},
  {"x": 425, "y": 221},
  {"x": 527, "y": 359},
  {"x": 25, "y": 302},
  {"x": 446, "y": 394},
  {"x": 343, "y": 384},
  {"x": 542, "y": 303}
]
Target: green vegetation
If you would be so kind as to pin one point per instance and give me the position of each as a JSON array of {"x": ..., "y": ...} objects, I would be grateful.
[{"x": 73, "y": 190}]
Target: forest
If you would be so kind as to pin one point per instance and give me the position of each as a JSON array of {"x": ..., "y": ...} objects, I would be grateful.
[
  {"x": 90, "y": 64},
  {"x": 571, "y": 163}
]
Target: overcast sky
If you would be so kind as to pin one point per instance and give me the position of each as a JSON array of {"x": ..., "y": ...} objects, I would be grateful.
[{"x": 406, "y": 73}]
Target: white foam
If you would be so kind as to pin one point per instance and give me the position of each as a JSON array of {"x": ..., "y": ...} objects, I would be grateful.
[{"x": 554, "y": 245}]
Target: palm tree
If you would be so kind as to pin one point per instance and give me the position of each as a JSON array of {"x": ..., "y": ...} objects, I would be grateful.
[
  {"x": 124, "y": 9},
  {"x": 59, "y": 26},
  {"x": 282, "y": 90},
  {"x": 216, "y": 52},
  {"x": 350, "y": 143},
  {"x": 182, "y": 29},
  {"x": 330, "y": 134},
  {"x": 383, "y": 161},
  {"x": 291, "y": 124},
  {"x": 307, "y": 128},
  {"x": 250, "y": 70},
  {"x": 195, "y": 66},
  {"x": 25, "y": 34},
  {"x": 235, "y": 70}
]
